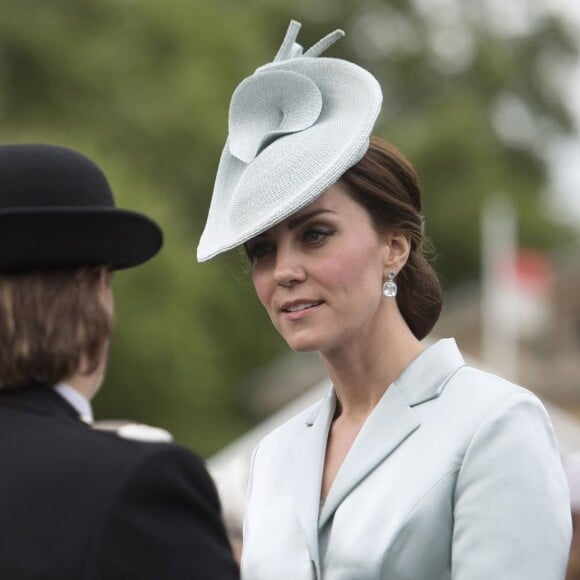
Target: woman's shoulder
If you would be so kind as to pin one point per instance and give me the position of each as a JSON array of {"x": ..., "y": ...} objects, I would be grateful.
[
  {"x": 476, "y": 382},
  {"x": 442, "y": 368},
  {"x": 480, "y": 393}
]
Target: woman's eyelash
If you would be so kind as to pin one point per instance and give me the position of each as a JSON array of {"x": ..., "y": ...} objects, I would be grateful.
[
  {"x": 315, "y": 234},
  {"x": 312, "y": 235}
]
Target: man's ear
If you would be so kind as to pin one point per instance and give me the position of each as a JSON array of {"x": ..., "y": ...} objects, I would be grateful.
[
  {"x": 397, "y": 250},
  {"x": 106, "y": 277},
  {"x": 106, "y": 290}
]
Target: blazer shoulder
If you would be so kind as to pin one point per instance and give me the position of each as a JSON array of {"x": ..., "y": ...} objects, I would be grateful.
[
  {"x": 479, "y": 394},
  {"x": 483, "y": 385},
  {"x": 135, "y": 444},
  {"x": 165, "y": 511}
]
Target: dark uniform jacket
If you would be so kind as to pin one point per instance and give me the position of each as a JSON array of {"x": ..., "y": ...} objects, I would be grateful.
[{"x": 81, "y": 504}]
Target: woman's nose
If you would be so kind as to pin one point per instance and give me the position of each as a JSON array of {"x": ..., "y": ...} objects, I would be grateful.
[{"x": 289, "y": 268}]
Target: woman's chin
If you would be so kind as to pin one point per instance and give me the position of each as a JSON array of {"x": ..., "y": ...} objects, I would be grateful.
[{"x": 303, "y": 343}]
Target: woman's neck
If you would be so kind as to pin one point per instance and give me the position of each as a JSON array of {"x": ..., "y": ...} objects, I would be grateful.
[{"x": 362, "y": 371}]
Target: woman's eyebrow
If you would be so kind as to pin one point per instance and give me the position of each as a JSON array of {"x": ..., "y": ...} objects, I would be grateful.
[{"x": 295, "y": 222}]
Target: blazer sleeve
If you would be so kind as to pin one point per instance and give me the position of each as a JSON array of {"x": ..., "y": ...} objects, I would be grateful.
[
  {"x": 164, "y": 522},
  {"x": 512, "y": 515}
]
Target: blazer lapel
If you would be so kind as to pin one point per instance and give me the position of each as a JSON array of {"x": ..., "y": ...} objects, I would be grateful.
[
  {"x": 389, "y": 424},
  {"x": 393, "y": 419},
  {"x": 308, "y": 464}
]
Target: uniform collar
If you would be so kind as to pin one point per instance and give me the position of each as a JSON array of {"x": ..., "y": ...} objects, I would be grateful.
[
  {"x": 77, "y": 401},
  {"x": 39, "y": 398}
]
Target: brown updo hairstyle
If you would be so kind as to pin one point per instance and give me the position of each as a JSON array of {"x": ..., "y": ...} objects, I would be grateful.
[{"x": 386, "y": 185}]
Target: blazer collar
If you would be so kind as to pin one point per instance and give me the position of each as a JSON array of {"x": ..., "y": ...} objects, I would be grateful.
[
  {"x": 39, "y": 398},
  {"x": 426, "y": 376},
  {"x": 390, "y": 423}
]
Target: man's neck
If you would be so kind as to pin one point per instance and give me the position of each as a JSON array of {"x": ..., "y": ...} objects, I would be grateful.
[{"x": 88, "y": 384}]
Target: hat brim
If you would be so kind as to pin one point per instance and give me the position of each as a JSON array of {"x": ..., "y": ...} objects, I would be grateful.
[{"x": 36, "y": 238}]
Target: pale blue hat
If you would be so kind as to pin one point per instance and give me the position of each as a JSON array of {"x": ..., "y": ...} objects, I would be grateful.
[{"x": 295, "y": 126}]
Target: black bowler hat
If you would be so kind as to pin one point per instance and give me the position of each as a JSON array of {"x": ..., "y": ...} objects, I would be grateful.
[{"x": 57, "y": 210}]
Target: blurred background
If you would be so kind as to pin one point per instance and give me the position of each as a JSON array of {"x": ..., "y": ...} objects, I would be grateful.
[{"x": 483, "y": 97}]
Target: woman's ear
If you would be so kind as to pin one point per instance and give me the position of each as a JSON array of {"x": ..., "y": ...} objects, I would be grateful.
[{"x": 397, "y": 249}]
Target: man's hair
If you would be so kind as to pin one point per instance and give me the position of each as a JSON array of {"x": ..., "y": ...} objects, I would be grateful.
[{"x": 53, "y": 323}]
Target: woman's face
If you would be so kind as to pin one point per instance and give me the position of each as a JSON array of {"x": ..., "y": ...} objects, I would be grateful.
[{"x": 319, "y": 273}]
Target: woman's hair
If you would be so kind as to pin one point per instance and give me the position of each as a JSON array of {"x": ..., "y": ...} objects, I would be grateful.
[
  {"x": 386, "y": 185},
  {"x": 53, "y": 323}
]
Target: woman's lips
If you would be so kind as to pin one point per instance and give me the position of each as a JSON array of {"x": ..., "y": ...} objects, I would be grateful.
[{"x": 298, "y": 309}]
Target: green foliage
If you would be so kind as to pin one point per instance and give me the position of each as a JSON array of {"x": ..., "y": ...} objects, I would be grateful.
[{"x": 143, "y": 87}]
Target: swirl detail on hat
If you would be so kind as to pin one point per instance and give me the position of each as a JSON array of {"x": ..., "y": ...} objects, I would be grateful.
[{"x": 267, "y": 106}]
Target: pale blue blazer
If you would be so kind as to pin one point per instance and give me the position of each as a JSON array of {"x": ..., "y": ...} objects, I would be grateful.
[{"x": 455, "y": 475}]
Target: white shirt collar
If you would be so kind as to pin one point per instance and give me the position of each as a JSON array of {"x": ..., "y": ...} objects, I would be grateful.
[{"x": 80, "y": 404}]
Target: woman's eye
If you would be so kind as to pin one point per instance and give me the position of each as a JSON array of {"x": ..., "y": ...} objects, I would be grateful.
[
  {"x": 258, "y": 251},
  {"x": 316, "y": 236}
]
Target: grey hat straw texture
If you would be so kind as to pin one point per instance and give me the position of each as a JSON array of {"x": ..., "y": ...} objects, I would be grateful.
[{"x": 295, "y": 126}]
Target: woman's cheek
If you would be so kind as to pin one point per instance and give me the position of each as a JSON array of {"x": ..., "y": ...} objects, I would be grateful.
[{"x": 262, "y": 290}]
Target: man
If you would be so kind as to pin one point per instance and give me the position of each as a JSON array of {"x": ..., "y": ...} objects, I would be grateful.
[{"x": 78, "y": 503}]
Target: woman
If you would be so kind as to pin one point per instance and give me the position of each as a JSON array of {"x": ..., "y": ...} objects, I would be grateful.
[{"x": 415, "y": 466}]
